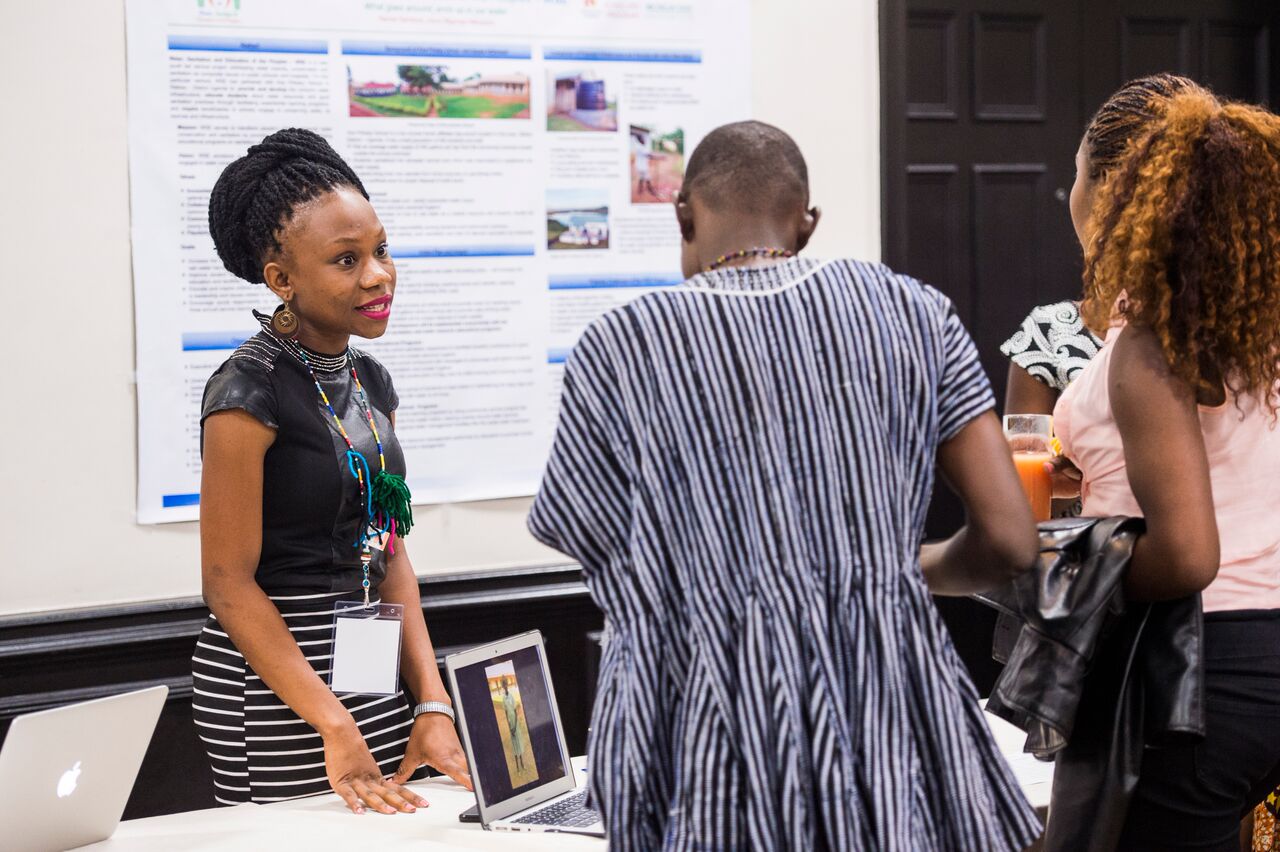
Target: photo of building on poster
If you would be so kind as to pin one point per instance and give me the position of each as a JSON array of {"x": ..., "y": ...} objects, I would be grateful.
[
  {"x": 381, "y": 88},
  {"x": 513, "y": 728},
  {"x": 577, "y": 219},
  {"x": 657, "y": 164},
  {"x": 581, "y": 100}
]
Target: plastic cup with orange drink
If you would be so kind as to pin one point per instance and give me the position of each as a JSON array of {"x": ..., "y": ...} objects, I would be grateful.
[{"x": 1030, "y": 438}]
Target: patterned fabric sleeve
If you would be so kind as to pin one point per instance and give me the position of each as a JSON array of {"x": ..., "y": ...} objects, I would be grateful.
[
  {"x": 964, "y": 391},
  {"x": 241, "y": 383},
  {"x": 1053, "y": 344},
  {"x": 583, "y": 505}
]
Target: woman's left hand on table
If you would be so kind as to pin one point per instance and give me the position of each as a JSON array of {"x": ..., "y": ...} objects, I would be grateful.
[{"x": 434, "y": 742}]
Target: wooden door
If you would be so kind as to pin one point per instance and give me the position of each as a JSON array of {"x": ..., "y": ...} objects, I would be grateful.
[{"x": 983, "y": 105}]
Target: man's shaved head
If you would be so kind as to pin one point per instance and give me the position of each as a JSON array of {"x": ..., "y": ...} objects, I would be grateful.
[{"x": 748, "y": 167}]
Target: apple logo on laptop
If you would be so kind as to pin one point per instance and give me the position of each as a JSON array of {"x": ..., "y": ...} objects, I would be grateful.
[{"x": 67, "y": 783}]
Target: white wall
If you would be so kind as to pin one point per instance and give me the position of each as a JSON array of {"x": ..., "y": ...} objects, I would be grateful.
[
  {"x": 68, "y": 493},
  {"x": 816, "y": 74}
]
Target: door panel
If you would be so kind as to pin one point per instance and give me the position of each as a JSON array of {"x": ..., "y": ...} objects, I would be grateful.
[
  {"x": 1151, "y": 45},
  {"x": 1010, "y": 67},
  {"x": 1235, "y": 59},
  {"x": 1009, "y": 200},
  {"x": 934, "y": 218},
  {"x": 932, "y": 51}
]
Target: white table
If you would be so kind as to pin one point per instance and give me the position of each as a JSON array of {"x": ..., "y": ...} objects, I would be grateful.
[
  {"x": 1034, "y": 777},
  {"x": 323, "y": 822}
]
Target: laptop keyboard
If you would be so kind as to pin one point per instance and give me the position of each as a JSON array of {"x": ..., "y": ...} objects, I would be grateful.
[{"x": 571, "y": 813}]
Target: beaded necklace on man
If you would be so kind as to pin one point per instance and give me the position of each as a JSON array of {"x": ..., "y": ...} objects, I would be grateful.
[
  {"x": 759, "y": 251},
  {"x": 384, "y": 496}
]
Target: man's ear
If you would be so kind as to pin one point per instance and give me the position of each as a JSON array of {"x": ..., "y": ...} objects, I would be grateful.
[
  {"x": 808, "y": 224},
  {"x": 278, "y": 281},
  {"x": 684, "y": 218}
]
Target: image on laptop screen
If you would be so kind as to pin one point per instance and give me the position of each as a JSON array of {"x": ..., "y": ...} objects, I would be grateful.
[{"x": 512, "y": 726}]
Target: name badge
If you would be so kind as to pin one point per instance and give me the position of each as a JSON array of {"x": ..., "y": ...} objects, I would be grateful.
[{"x": 366, "y": 648}]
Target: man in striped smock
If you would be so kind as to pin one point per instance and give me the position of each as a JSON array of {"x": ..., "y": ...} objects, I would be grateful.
[{"x": 742, "y": 466}]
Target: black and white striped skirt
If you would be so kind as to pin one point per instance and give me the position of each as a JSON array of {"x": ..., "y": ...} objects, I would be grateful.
[{"x": 261, "y": 751}]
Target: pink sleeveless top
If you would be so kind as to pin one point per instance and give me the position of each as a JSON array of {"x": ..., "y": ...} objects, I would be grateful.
[{"x": 1244, "y": 470}]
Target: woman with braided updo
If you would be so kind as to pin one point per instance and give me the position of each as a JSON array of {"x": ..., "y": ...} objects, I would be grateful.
[
  {"x": 1175, "y": 420},
  {"x": 303, "y": 502}
]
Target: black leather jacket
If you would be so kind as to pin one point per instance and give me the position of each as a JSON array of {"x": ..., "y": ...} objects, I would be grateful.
[{"x": 1091, "y": 678}]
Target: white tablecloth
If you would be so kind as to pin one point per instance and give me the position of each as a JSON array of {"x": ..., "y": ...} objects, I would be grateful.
[{"x": 324, "y": 823}]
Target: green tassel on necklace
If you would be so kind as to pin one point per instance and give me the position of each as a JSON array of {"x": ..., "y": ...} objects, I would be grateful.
[
  {"x": 392, "y": 502},
  {"x": 387, "y": 501}
]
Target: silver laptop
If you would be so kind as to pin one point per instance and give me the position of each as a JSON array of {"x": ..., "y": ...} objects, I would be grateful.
[
  {"x": 515, "y": 745},
  {"x": 66, "y": 773}
]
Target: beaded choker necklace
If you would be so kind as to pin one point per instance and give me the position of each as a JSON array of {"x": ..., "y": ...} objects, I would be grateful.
[
  {"x": 315, "y": 360},
  {"x": 758, "y": 251},
  {"x": 385, "y": 496}
]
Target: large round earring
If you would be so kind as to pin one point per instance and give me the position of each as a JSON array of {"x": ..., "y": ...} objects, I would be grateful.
[{"x": 284, "y": 322}]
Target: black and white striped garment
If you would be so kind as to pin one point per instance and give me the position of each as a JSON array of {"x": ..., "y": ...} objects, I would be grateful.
[
  {"x": 261, "y": 751},
  {"x": 742, "y": 466}
]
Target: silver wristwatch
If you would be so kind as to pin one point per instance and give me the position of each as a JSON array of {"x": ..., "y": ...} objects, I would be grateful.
[{"x": 433, "y": 707}]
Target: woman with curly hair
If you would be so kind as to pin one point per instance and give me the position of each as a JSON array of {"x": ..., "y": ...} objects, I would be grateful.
[
  {"x": 1053, "y": 344},
  {"x": 1175, "y": 420}
]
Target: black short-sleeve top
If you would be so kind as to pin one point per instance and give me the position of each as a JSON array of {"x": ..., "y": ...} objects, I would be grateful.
[{"x": 312, "y": 513}]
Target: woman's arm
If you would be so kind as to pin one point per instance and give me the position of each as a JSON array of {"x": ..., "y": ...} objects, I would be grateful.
[
  {"x": 1025, "y": 394},
  {"x": 1168, "y": 471},
  {"x": 235, "y": 444},
  {"x": 434, "y": 740},
  {"x": 998, "y": 540}
]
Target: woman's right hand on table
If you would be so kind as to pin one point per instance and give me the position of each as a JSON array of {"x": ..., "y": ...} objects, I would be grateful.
[
  {"x": 1065, "y": 476},
  {"x": 354, "y": 775}
]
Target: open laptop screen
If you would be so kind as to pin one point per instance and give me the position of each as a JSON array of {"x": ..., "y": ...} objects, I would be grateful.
[{"x": 515, "y": 746}]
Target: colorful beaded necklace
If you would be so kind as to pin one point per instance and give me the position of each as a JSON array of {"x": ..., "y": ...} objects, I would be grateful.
[
  {"x": 758, "y": 251},
  {"x": 387, "y": 502}
]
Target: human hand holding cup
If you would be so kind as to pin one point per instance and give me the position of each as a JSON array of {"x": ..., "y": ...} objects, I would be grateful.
[{"x": 1030, "y": 438}]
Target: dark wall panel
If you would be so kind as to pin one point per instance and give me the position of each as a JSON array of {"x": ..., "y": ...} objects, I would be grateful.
[
  {"x": 1008, "y": 244},
  {"x": 51, "y": 659},
  {"x": 932, "y": 75},
  {"x": 1153, "y": 45},
  {"x": 935, "y": 220},
  {"x": 1236, "y": 61},
  {"x": 1010, "y": 67}
]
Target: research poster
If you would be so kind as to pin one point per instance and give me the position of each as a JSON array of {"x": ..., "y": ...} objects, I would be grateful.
[{"x": 522, "y": 154}]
